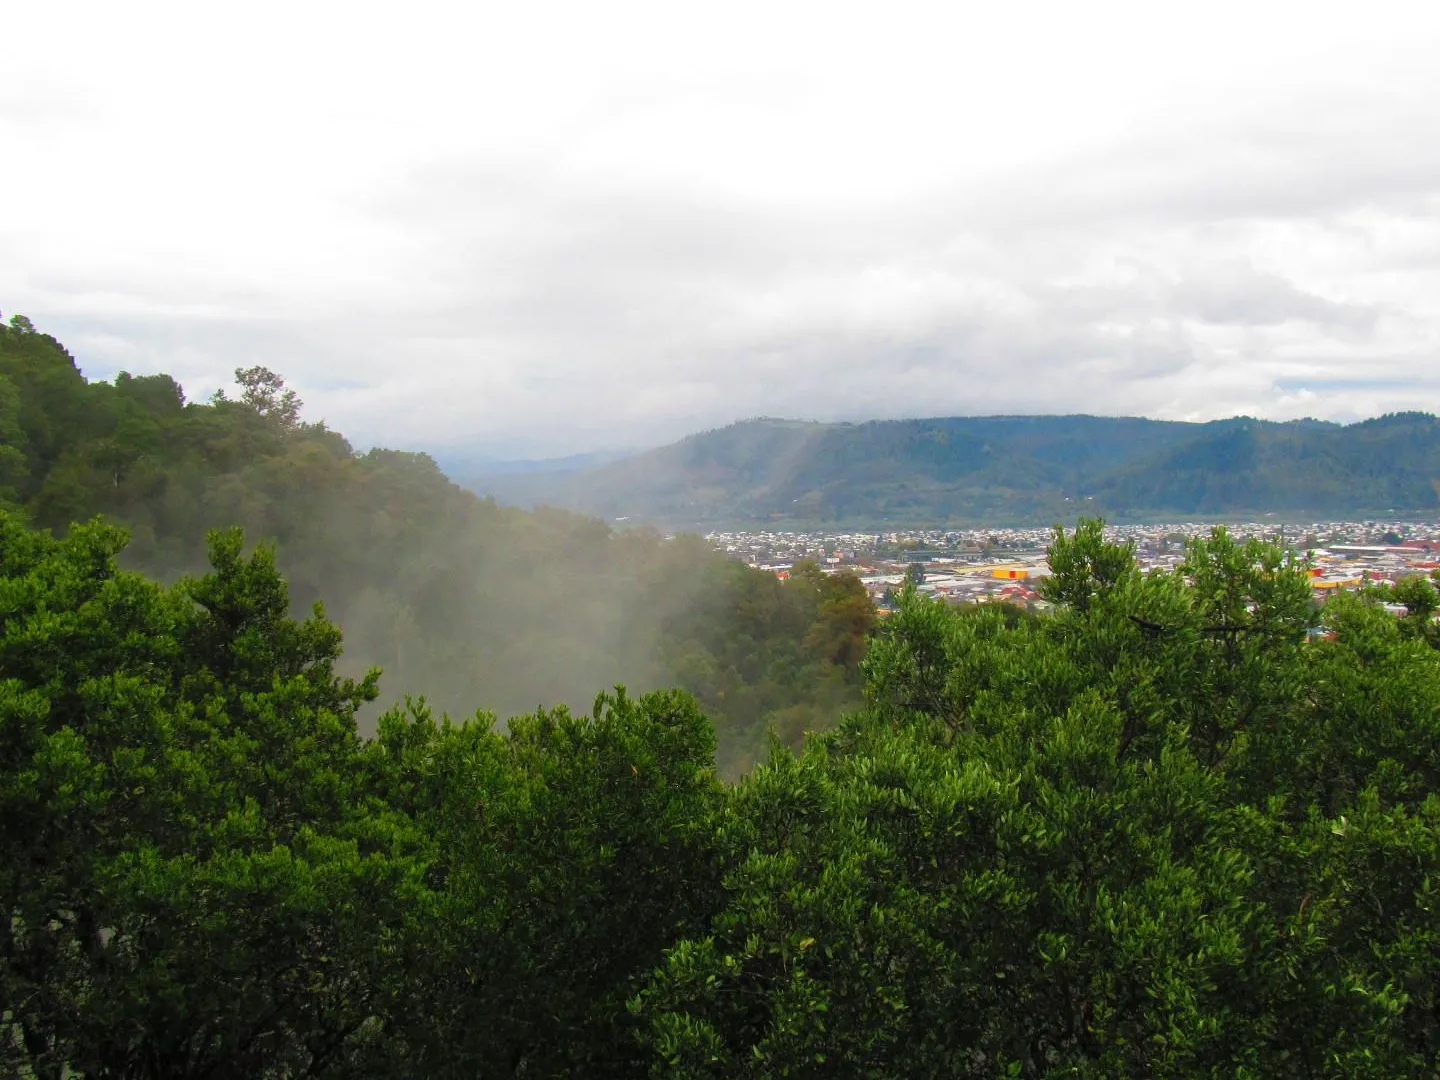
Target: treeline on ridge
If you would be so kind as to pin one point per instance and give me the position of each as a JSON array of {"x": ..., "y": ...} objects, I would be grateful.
[
  {"x": 466, "y": 601},
  {"x": 1164, "y": 830}
]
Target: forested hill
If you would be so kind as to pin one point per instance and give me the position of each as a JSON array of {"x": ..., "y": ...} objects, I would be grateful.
[
  {"x": 1009, "y": 470},
  {"x": 473, "y": 604}
]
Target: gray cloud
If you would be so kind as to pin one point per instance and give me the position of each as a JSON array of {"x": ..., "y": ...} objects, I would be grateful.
[{"x": 586, "y": 281}]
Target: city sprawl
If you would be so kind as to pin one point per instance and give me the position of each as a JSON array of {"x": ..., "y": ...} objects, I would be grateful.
[{"x": 988, "y": 565}]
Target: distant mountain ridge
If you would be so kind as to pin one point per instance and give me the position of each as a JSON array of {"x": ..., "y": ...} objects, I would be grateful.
[
  {"x": 462, "y": 466},
  {"x": 1000, "y": 470}
]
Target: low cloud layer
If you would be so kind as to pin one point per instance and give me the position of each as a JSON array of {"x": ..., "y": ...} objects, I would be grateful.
[{"x": 563, "y": 232}]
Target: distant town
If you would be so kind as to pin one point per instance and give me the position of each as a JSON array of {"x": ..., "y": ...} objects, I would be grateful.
[{"x": 1006, "y": 565}]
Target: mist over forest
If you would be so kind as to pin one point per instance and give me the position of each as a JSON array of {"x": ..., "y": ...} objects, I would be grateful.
[{"x": 475, "y": 605}]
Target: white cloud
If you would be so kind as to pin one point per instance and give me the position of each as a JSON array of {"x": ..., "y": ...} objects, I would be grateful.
[{"x": 548, "y": 227}]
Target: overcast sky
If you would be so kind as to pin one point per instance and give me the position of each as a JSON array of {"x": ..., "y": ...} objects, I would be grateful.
[{"x": 532, "y": 229}]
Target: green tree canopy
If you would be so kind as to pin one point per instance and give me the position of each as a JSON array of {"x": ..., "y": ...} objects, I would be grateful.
[
  {"x": 1155, "y": 834},
  {"x": 207, "y": 873}
]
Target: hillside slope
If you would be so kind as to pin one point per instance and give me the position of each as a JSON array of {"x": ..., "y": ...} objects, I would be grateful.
[
  {"x": 476, "y": 604},
  {"x": 1009, "y": 470}
]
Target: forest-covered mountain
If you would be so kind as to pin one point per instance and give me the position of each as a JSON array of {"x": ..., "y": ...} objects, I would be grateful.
[
  {"x": 468, "y": 602},
  {"x": 1008, "y": 470}
]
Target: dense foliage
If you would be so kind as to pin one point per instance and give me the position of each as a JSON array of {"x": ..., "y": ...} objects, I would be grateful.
[
  {"x": 207, "y": 872},
  {"x": 1017, "y": 470},
  {"x": 1163, "y": 831},
  {"x": 452, "y": 595},
  {"x": 1160, "y": 833}
]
